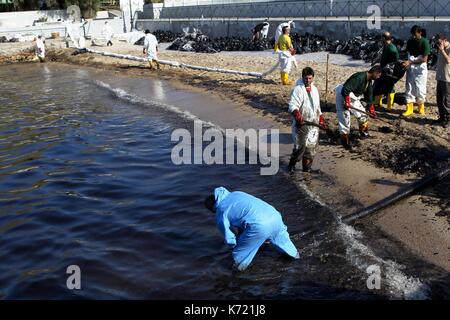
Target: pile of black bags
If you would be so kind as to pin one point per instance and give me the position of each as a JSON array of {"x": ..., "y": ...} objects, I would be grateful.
[
  {"x": 367, "y": 47},
  {"x": 309, "y": 43},
  {"x": 166, "y": 36},
  {"x": 3, "y": 39},
  {"x": 196, "y": 41}
]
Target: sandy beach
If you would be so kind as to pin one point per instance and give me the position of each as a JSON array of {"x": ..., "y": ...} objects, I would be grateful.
[{"x": 398, "y": 152}]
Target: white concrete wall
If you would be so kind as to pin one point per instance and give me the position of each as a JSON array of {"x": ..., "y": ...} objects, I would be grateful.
[
  {"x": 26, "y": 18},
  {"x": 94, "y": 27}
]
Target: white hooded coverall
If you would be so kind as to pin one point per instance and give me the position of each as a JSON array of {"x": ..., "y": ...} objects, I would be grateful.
[
  {"x": 306, "y": 137},
  {"x": 416, "y": 81},
  {"x": 107, "y": 32},
  {"x": 280, "y": 27},
  {"x": 343, "y": 114},
  {"x": 265, "y": 31},
  {"x": 285, "y": 58},
  {"x": 40, "y": 48},
  {"x": 150, "y": 45}
]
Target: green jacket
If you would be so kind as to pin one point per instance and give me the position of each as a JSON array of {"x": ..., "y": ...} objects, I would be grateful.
[
  {"x": 359, "y": 85},
  {"x": 418, "y": 47},
  {"x": 389, "y": 55}
]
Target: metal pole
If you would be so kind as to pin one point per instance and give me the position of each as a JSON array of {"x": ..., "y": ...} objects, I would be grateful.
[
  {"x": 131, "y": 16},
  {"x": 326, "y": 81}
]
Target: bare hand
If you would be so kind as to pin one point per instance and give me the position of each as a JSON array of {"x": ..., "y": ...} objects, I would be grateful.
[{"x": 406, "y": 64}]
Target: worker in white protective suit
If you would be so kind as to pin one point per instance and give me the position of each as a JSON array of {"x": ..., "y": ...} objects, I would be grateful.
[
  {"x": 151, "y": 49},
  {"x": 349, "y": 98},
  {"x": 265, "y": 30},
  {"x": 40, "y": 48},
  {"x": 418, "y": 49},
  {"x": 107, "y": 33},
  {"x": 285, "y": 55},
  {"x": 306, "y": 120},
  {"x": 81, "y": 42},
  {"x": 279, "y": 31},
  {"x": 260, "y": 31}
]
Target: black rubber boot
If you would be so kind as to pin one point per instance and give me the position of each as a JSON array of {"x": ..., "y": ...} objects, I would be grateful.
[
  {"x": 345, "y": 140},
  {"x": 294, "y": 159},
  {"x": 363, "y": 134},
  {"x": 307, "y": 164}
]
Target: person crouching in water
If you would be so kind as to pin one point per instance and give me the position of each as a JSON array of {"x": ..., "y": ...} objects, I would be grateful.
[
  {"x": 418, "y": 49},
  {"x": 151, "y": 49},
  {"x": 306, "y": 117},
  {"x": 349, "y": 97},
  {"x": 286, "y": 55},
  {"x": 255, "y": 221},
  {"x": 40, "y": 48}
]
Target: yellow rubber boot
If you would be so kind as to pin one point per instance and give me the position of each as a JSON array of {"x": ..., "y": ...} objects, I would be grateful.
[
  {"x": 285, "y": 79},
  {"x": 288, "y": 82},
  {"x": 282, "y": 77},
  {"x": 377, "y": 100},
  {"x": 390, "y": 100},
  {"x": 409, "y": 109},
  {"x": 422, "y": 108}
]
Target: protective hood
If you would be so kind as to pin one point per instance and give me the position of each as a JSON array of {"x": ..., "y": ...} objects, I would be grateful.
[{"x": 220, "y": 193}]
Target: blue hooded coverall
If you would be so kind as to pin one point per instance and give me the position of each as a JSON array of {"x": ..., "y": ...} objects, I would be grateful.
[{"x": 258, "y": 220}]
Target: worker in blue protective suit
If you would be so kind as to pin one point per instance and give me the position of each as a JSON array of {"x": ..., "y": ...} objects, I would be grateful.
[{"x": 255, "y": 220}]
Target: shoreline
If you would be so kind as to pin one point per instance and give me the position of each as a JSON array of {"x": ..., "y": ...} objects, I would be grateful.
[{"x": 367, "y": 184}]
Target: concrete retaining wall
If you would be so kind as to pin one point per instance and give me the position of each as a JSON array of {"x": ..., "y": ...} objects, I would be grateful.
[
  {"x": 178, "y": 3},
  {"x": 336, "y": 19},
  {"x": 331, "y": 29},
  {"x": 308, "y": 8}
]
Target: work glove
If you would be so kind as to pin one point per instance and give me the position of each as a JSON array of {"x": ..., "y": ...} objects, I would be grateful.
[
  {"x": 347, "y": 102},
  {"x": 322, "y": 123},
  {"x": 372, "y": 112},
  {"x": 298, "y": 118}
]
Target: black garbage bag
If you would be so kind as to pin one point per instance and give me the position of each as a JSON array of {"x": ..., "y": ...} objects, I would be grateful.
[
  {"x": 166, "y": 36},
  {"x": 198, "y": 42},
  {"x": 390, "y": 75},
  {"x": 140, "y": 42},
  {"x": 400, "y": 98}
]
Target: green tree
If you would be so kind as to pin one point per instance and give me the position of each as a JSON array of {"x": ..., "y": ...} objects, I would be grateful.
[{"x": 26, "y": 5}]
